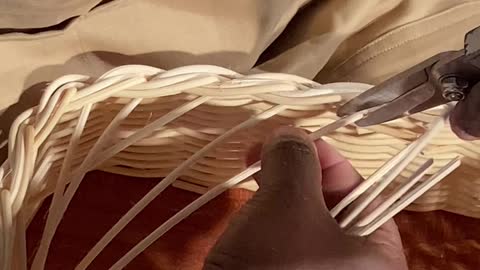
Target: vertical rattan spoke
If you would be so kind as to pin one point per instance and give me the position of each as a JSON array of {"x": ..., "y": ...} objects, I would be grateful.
[
  {"x": 144, "y": 121},
  {"x": 168, "y": 180},
  {"x": 214, "y": 192}
]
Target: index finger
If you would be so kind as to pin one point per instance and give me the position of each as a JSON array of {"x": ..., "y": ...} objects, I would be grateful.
[
  {"x": 339, "y": 176},
  {"x": 339, "y": 179}
]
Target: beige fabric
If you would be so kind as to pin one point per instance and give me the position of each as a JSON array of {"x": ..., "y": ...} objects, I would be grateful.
[
  {"x": 371, "y": 40},
  {"x": 16, "y": 14},
  {"x": 334, "y": 40},
  {"x": 318, "y": 32},
  {"x": 413, "y": 31},
  {"x": 164, "y": 33}
]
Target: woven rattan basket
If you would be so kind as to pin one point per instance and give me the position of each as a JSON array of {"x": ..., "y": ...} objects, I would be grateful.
[{"x": 193, "y": 126}]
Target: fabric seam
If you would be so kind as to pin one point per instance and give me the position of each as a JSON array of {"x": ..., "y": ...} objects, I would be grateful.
[{"x": 403, "y": 28}]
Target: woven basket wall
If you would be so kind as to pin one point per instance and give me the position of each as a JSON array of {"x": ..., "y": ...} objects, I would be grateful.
[
  {"x": 149, "y": 121},
  {"x": 222, "y": 99}
]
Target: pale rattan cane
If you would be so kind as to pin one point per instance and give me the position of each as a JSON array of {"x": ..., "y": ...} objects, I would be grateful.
[{"x": 193, "y": 126}]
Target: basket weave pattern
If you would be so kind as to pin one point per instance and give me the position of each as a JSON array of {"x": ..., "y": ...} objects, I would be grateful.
[{"x": 143, "y": 121}]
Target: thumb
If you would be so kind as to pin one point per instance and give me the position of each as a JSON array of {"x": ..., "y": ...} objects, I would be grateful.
[
  {"x": 291, "y": 175},
  {"x": 286, "y": 223}
]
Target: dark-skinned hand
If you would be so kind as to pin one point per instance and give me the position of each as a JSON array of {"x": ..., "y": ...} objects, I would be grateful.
[{"x": 287, "y": 225}]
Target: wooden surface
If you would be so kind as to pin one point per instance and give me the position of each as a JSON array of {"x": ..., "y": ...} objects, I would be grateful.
[{"x": 433, "y": 240}]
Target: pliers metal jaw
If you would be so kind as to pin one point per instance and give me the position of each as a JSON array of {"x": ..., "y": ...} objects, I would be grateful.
[{"x": 443, "y": 78}]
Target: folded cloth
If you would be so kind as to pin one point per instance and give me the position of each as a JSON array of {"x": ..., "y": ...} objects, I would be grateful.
[
  {"x": 332, "y": 40},
  {"x": 31, "y": 14}
]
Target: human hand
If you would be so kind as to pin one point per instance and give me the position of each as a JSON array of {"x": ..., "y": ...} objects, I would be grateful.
[
  {"x": 465, "y": 119},
  {"x": 287, "y": 225}
]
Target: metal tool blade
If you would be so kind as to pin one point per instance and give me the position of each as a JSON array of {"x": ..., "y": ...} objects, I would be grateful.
[
  {"x": 436, "y": 100},
  {"x": 391, "y": 89},
  {"x": 399, "y": 106}
]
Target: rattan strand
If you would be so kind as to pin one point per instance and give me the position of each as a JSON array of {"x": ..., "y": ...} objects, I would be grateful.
[{"x": 193, "y": 125}]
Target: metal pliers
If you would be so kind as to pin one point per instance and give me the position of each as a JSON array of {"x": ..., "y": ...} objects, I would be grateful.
[{"x": 446, "y": 77}]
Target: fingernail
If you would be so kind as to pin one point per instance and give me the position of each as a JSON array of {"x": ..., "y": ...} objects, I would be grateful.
[
  {"x": 287, "y": 134},
  {"x": 289, "y": 159}
]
